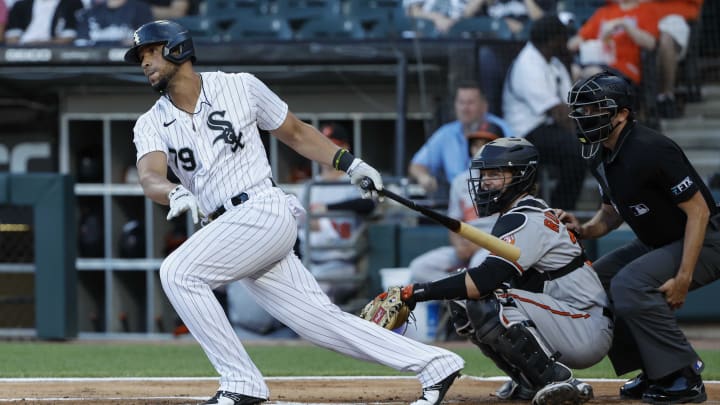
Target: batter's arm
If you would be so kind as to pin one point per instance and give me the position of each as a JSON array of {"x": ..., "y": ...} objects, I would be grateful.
[
  {"x": 698, "y": 215},
  {"x": 152, "y": 170},
  {"x": 305, "y": 140}
]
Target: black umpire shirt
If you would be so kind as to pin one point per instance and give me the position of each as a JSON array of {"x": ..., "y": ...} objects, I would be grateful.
[{"x": 645, "y": 178}]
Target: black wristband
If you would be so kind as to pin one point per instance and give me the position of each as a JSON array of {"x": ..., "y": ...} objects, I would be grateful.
[
  {"x": 449, "y": 288},
  {"x": 342, "y": 159}
]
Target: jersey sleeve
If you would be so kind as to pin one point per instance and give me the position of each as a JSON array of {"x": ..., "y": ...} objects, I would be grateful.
[
  {"x": 516, "y": 229},
  {"x": 146, "y": 138},
  {"x": 674, "y": 173},
  {"x": 270, "y": 110}
]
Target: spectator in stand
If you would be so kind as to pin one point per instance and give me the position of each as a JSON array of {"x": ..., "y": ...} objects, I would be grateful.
[
  {"x": 42, "y": 22},
  {"x": 3, "y": 20},
  {"x": 534, "y": 106},
  {"x": 444, "y": 13},
  {"x": 438, "y": 263},
  {"x": 493, "y": 64},
  {"x": 172, "y": 9},
  {"x": 612, "y": 38},
  {"x": 445, "y": 155},
  {"x": 516, "y": 13},
  {"x": 112, "y": 21},
  {"x": 672, "y": 47}
]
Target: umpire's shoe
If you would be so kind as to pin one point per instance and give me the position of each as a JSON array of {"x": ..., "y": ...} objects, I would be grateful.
[
  {"x": 684, "y": 387},
  {"x": 635, "y": 388},
  {"x": 232, "y": 398},
  {"x": 434, "y": 394}
]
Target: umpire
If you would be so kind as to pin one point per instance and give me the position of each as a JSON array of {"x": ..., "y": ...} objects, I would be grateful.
[{"x": 647, "y": 181}]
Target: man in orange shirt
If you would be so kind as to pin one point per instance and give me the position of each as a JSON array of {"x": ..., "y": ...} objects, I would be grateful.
[
  {"x": 616, "y": 33},
  {"x": 672, "y": 46}
]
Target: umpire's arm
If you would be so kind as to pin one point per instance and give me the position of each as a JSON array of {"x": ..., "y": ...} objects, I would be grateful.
[
  {"x": 305, "y": 140},
  {"x": 152, "y": 170}
]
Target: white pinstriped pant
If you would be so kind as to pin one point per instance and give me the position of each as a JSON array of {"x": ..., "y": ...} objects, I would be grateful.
[{"x": 253, "y": 242}]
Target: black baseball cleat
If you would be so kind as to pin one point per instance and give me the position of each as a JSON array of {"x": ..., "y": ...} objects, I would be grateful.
[
  {"x": 434, "y": 394},
  {"x": 232, "y": 398},
  {"x": 571, "y": 392},
  {"x": 635, "y": 388},
  {"x": 683, "y": 389},
  {"x": 514, "y": 390}
]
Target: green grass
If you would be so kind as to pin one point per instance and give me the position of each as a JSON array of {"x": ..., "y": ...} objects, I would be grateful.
[{"x": 36, "y": 359}]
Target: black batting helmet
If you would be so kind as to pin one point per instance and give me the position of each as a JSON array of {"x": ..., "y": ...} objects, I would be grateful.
[
  {"x": 516, "y": 154},
  {"x": 176, "y": 38},
  {"x": 593, "y": 103}
]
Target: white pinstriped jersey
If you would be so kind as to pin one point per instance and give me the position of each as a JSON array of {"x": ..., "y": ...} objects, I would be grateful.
[{"x": 217, "y": 151}]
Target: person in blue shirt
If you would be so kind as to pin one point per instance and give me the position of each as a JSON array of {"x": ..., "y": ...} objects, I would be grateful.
[{"x": 444, "y": 155}]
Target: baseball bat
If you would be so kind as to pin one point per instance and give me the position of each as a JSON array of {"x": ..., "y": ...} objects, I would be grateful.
[{"x": 483, "y": 239}]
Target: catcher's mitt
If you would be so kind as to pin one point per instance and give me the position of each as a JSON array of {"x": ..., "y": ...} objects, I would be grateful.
[{"x": 387, "y": 309}]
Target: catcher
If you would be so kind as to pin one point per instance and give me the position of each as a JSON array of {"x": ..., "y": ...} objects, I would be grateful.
[{"x": 535, "y": 318}]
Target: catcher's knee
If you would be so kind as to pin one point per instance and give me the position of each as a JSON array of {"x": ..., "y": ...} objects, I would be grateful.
[
  {"x": 459, "y": 317},
  {"x": 484, "y": 316}
]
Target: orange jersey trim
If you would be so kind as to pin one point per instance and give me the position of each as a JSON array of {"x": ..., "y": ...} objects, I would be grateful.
[{"x": 546, "y": 307}]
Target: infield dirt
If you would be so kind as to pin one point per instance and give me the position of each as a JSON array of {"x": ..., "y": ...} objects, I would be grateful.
[{"x": 316, "y": 391}]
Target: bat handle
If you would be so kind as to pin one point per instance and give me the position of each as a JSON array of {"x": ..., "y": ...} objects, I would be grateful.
[{"x": 367, "y": 184}]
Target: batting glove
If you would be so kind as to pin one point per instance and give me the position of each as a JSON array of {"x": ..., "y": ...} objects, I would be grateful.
[
  {"x": 181, "y": 200},
  {"x": 358, "y": 171}
]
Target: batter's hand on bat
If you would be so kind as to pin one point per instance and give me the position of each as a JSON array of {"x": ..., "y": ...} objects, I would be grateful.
[
  {"x": 181, "y": 200},
  {"x": 358, "y": 171}
]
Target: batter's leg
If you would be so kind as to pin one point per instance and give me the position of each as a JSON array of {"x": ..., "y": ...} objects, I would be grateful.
[{"x": 290, "y": 294}]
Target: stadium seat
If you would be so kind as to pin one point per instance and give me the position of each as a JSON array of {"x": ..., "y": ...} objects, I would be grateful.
[
  {"x": 330, "y": 28},
  {"x": 375, "y": 9},
  {"x": 299, "y": 11},
  {"x": 480, "y": 27},
  {"x": 202, "y": 28},
  {"x": 259, "y": 27},
  {"x": 229, "y": 8},
  {"x": 403, "y": 27}
]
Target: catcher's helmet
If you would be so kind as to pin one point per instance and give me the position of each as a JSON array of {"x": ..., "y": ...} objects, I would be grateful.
[
  {"x": 593, "y": 103},
  {"x": 178, "y": 42},
  {"x": 516, "y": 154}
]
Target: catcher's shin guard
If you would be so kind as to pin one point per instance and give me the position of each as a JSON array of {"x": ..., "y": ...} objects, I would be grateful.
[
  {"x": 515, "y": 350},
  {"x": 459, "y": 317}
]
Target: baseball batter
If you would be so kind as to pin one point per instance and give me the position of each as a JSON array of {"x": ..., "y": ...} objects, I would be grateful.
[
  {"x": 205, "y": 127},
  {"x": 538, "y": 316}
]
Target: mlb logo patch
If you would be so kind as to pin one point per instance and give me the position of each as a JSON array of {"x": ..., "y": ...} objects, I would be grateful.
[{"x": 639, "y": 209}]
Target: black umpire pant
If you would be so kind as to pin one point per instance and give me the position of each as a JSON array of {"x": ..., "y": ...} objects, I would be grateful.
[
  {"x": 646, "y": 333},
  {"x": 560, "y": 148}
]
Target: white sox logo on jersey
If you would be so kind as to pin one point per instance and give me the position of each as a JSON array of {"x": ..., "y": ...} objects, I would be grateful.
[{"x": 227, "y": 131}]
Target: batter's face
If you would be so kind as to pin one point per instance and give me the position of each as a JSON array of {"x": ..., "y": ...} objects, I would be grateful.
[
  {"x": 156, "y": 68},
  {"x": 495, "y": 179},
  {"x": 470, "y": 106}
]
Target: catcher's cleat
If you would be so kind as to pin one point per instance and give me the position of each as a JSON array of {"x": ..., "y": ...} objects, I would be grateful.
[
  {"x": 572, "y": 392},
  {"x": 434, "y": 394},
  {"x": 232, "y": 398},
  {"x": 513, "y": 390}
]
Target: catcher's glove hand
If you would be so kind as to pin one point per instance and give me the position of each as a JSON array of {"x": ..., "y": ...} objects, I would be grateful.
[{"x": 388, "y": 309}]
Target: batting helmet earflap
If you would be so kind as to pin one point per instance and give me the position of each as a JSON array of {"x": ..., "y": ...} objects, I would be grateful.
[
  {"x": 593, "y": 104},
  {"x": 515, "y": 154},
  {"x": 176, "y": 38}
]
